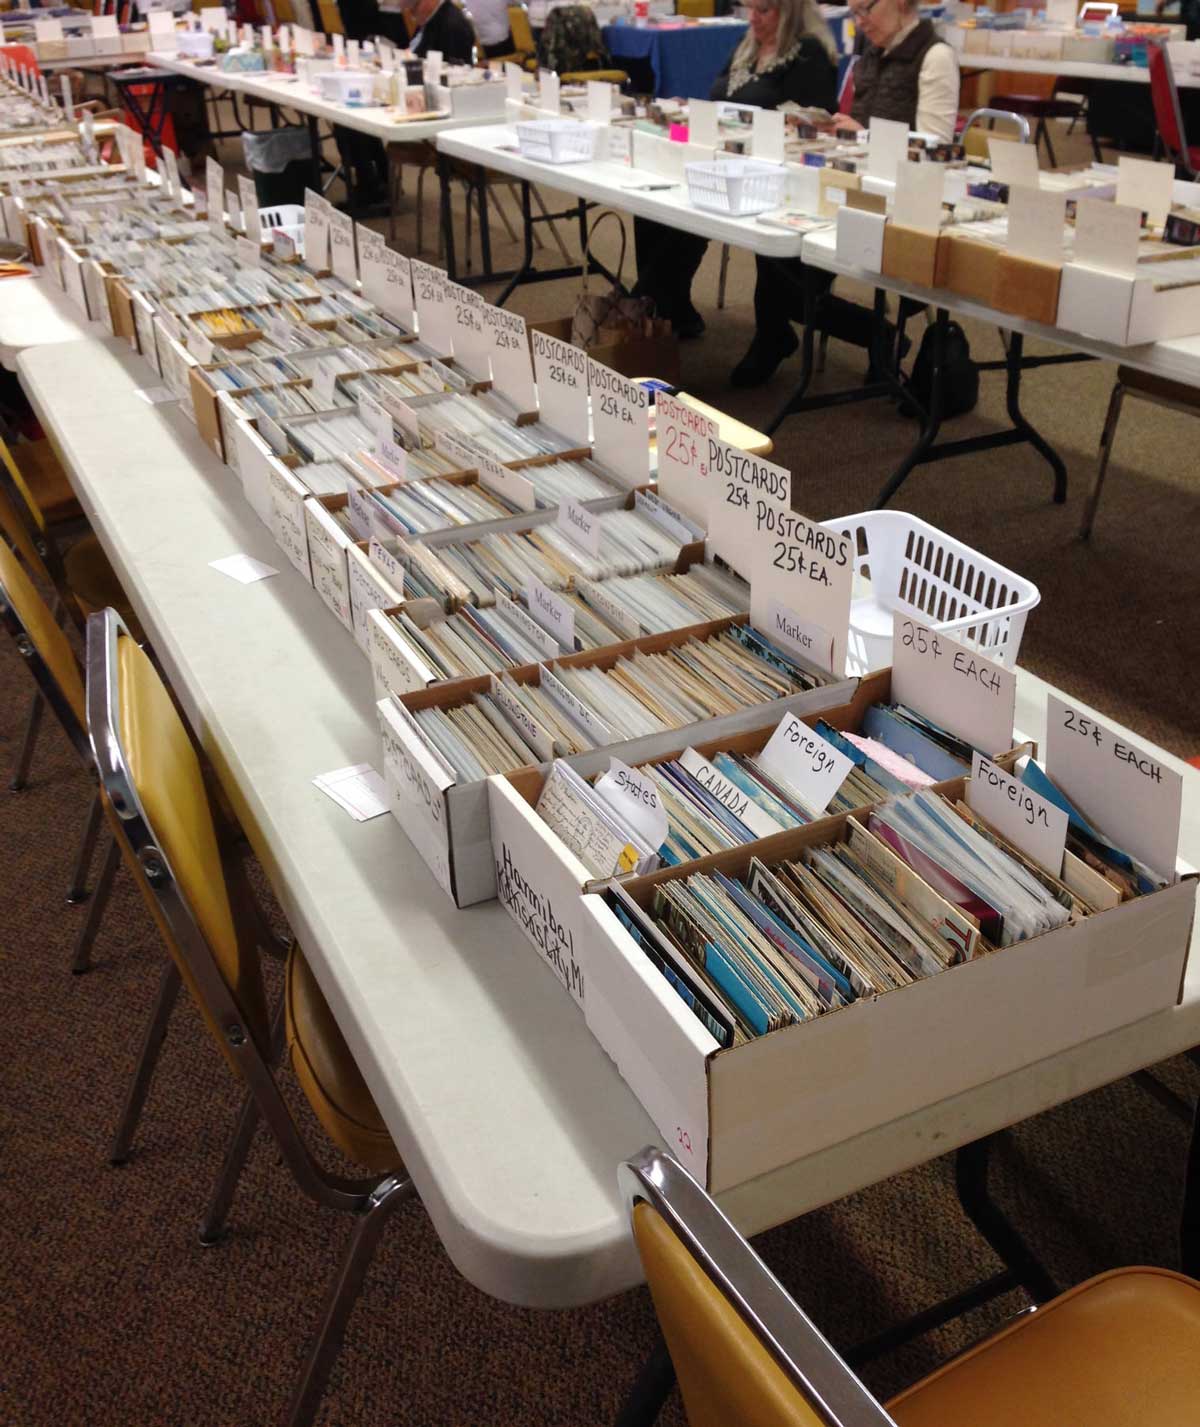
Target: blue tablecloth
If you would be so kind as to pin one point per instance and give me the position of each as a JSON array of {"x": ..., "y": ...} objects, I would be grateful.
[{"x": 685, "y": 61}]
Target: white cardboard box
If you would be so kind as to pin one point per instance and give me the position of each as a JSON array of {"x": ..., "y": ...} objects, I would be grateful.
[
  {"x": 328, "y": 547},
  {"x": 288, "y": 523},
  {"x": 733, "y": 1114},
  {"x": 370, "y": 589},
  {"x": 1125, "y": 309}
]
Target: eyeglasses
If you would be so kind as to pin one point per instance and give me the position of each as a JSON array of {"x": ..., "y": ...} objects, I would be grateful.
[{"x": 860, "y": 12}]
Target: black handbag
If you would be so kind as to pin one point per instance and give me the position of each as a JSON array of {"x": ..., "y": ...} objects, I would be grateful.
[{"x": 960, "y": 375}]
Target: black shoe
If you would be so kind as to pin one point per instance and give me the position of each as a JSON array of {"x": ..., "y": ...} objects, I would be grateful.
[
  {"x": 759, "y": 363},
  {"x": 688, "y": 324}
]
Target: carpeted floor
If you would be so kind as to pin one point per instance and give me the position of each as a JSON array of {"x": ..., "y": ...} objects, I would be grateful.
[{"x": 112, "y": 1314}]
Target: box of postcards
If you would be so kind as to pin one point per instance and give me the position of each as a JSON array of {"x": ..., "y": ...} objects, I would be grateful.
[
  {"x": 440, "y": 745},
  {"x": 777, "y": 1002},
  {"x": 582, "y": 823}
]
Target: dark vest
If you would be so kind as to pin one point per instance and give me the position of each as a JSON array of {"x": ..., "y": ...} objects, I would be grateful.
[{"x": 885, "y": 84}]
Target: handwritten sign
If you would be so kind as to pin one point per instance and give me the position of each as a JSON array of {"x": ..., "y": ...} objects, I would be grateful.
[
  {"x": 316, "y": 232},
  {"x": 341, "y": 240},
  {"x": 248, "y": 195},
  {"x": 802, "y": 636},
  {"x": 508, "y": 354},
  {"x": 806, "y": 762},
  {"x": 434, "y": 318},
  {"x": 620, "y": 423},
  {"x": 682, "y": 435},
  {"x": 579, "y": 525},
  {"x": 214, "y": 188},
  {"x": 1027, "y": 819},
  {"x": 736, "y": 482},
  {"x": 472, "y": 344},
  {"x": 511, "y": 486},
  {"x": 636, "y": 795},
  {"x": 729, "y": 795},
  {"x": 969, "y": 695},
  {"x": 562, "y": 386},
  {"x": 802, "y": 565}
]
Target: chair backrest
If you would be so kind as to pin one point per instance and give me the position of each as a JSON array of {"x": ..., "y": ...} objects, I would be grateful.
[
  {"x": 571, "y": 41},
  {"x": 743, "y": 1349},
  {"x": 331, "y": 17},
  {"x": 17, "y": 522},
  {"x": 46, "y": 649},
  {"x": 522, "y": 30},
  {"x": 845, "y": 97},
  {"x": 162, "y": 817},
  {"x": 22, "y": 55},
  {"x": 1168, "y": 117}
]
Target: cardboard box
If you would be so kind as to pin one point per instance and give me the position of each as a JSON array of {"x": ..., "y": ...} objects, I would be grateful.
[
  {"x": 860, "y": 238},
  {"x": 370, "y": 589},
  {"x": 1126, "y": 309},
  {"x": 328, "y": 546},
  {"x": 1027, "y": 288},
  {"x": 737, "y": 1113},
  {"x": 288, "y": 523},
  {"x": 966, "y": 266},
  {"x": 632, "y": 356},
  {"x": 910, "y": 254},
  {"x": 448, "y": 821}
]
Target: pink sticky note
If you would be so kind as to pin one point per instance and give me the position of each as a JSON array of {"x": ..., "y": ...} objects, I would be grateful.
[{"x": 678, "y": 134}]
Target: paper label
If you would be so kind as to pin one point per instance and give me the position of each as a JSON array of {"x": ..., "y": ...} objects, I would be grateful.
[
  {"x": 579, "y": 525},
  {"x": 512, "y": 80},
  {"x": 508, "y": 354},
  {"x": 1029, "y": 822},
  {"x": 805, "y": 567},
  {"x": 1013, "y": 163},
  {"x": 368, "y": 591},
  {"x": 887, "y": 147},
  {"x": 316, "y": 232},
  {"x": 324, "y": 385},
  {"x": 341, "y": 247},
  {"x": 516, "y": 489},
  {"x": 552, "y": 612},
  {"x": 214, "y": 188},
  {"x": 472, "y": 344},
  {"x": 371, "y": 268},
  {"x": 620, "y": 144},
  {"x": 806, "y": 762},
  {"x": 174, "y": 185},
  {"x": 561, "y": 370},
  {"x": 729, "y": 795},
  {"x": 1036, "y": 222},
  {"x": 623, "y": 620},
  {"x": 396, "y": 664},
  {"x": 579, "y": 712},
  {"x": 463, "y": 457},
  {"x": 599, "y": 101},
  {"x": 919, "y": 192},
  {"x": 1146, "y": 186},
  {"x": 530, "y": 730},
  {"x": 248, "y": 252},
  {"x": 1107, "y": 236},
  {"x": 637, "y": 797},
  {"x": 676, "y": 525},
  {"x": 702, "y": 123},
  {"x": 620, "y": 423},
  {"x": 398, "y": 291},
  {"x": 1128, "y": 795},
  {"x": 390, "y": 452},
  {"x": 359, "y": 504},
  {"x": 736, "y": 483},
  {"x": 416, "y": 782},
  {"x": 199, "y": 346},
  {"x": 529, "y": 626},
  {"x": 248, "y": 196},
  {"x": 391, "y": 565},
  {"x": 964, "y": 692},
  {"x": 791, "y": 631},
  {"x": 682, "y": 435},
  {"x": 766, "y": 135},
  {"x": 434, "y": 318},
  {"x": 549, "y": 96}
]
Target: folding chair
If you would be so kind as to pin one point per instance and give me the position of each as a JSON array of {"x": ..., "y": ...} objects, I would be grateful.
[
  {"x": 198, "y": 893},
  {"x": 1168, "y": 116}
]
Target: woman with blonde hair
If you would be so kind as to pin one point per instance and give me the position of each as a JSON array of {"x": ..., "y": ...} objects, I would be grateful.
[{"x": 787, "y": 56}]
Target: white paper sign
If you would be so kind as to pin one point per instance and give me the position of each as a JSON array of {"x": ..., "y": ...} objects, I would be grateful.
[
  {"x": 390, "y": 452},
  {"x": 702, "y": 122},
  {"x": 68, "y": 101},
  {"x": 548, "y": 91},
  {"x": 1124, "y": 792},
  {"x": 802, "y": 636},
  {"x": 729, "y": 795},
  {"x": 636, "y": 795},
  {"x": 681, "y": 435},
  {"x": 398, "y": 291},
  {"x": 1147, "y": 186},
  {"x": 919, "y": 192},
  {"x": 316, "y": 232},
  {"x": 243, "y": 568},
  {"x": 552, "y": 612},
  {"x": 1013, "y": 163},
  {"x": 371, "y": 268},
  {"x": 214, "y": 187},
  {"x": 359, "y": 790},
  {"x": 1036, "y": 219},
  {"x": 599, "y": 101},
  {"x": 434, "y": 318},
  {"x": 620, "y": 423},
  {"x": 248, "y": 195},
  {"x": 512, "y": 80},
  {"x": 887, "y": 147},
  {"x": 737, "y": 483},
  {"x": 509, "y": 485},
  {"x": 580, "y": 525},
  {"x": 805, "y": 761},
  {"x": 561, "y": 370},
  {"x": 51, "y": 30},
  {"x": 800, "y": 564},
  {"x": 508, "y": 354},
  {"x": 1027, "y": 819},
  {"x": 967, "y": 694},
  {"x": 248, "y": 252},
  {"x": 620, "y": 144},
  {"x": 1107, "y": 236},
  {"x": 472, "y": 344},
  {"x": 173, "y": 184},
  {"x": 341, "y": 247},
  {"x": 766, "y": 135}
]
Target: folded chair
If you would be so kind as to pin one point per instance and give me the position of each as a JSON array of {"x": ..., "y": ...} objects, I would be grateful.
[
  {"x": 197, "y": 891},
  {"x": 1121, "y": 1350}
]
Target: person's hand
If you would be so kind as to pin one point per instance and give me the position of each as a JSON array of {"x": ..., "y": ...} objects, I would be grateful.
[{"x": 844, "y": 121}]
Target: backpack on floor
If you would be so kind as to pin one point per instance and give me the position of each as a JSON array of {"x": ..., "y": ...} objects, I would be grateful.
[{"x": 960, "y": 377}]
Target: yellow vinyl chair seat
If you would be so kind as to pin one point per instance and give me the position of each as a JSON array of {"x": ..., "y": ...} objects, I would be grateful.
[
  {"x": 1121, "y": 1350},
  {"x": 94, "y": 582},
  {"x": 605, "y": 76},
  {"x": 331, "y": 1081},
  {"x": 48, "y": 637},
  {"x": 46, "y": 485}
]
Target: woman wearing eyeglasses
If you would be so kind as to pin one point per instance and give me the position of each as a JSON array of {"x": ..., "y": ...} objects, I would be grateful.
[{"x": 787, "y": 54}]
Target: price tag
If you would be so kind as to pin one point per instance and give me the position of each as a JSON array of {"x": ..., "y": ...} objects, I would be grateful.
[
  {"x": 805, "y": 567},
  {"x": 549, "y": 96},
  {"x": 316, "y": 233},
  {"x": 970, "y": 696},
  {"x": 248, "y": 195},
  {"x": 435, "y": 322},
  {"x": 552, "y": 612},
  {"x": 636, "y": 795},
  {"x": 508, "y": 354},
  {"x": 398, "y": 290},
  {"x": 1027, "y": 819},
  {"x": 682, "y": 434},
  {"x": 472, "y": 344},
  {"x": 562, "y": 386},
  {"x": 516, "y": 489},
  {"x": 729, "y": 795},
  {"x": 248, "y": 252},
  {"x": 737, "y": 483},
  {"x": 214, "y": 188},
  {"x": 806, "y": 762},
  {"x": 1128, "y": 795},
  {"x": 788, "y": 629},
  {"x": 341, "y": 246},
  {"x": 371, "y": 269},
  {"x": 620, "y": 423},
  {"x": 580, "y": 525}
]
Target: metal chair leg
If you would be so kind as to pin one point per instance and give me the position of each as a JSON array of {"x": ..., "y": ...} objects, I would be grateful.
[
  {"x": 504, "y": 218},
  {"x": 822, "y": 350},
  {"x": 342, "y": 1295},
  {"x": 156, "y": 1033},
  {"x": 20, "y": 774},
  {"x": 649, "y": 1390},
  {"x": 1106, "y": 444},
  {"x": 81, "y": 956},
  {"x": 554, "y": 233},
  {"x": 212, "y": 1226},
  {"x": 722, "y": 275},
  {"x": 78, "y": 890}
]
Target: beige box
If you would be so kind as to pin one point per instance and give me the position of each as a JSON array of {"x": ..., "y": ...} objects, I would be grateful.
[
  {"x": 910, "y": 254},
  {"x": 966, "y": 266},
  {"x": 1027, "y": 288}
]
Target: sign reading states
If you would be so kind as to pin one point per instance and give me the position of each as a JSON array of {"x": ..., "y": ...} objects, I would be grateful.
[
  {"x": 682, "y": 434},
  {"x": 637, "y": 796},
  {"x": 620, "y": 423},
  {"x": 964, "y": 692},
  {"x": 801, "y": 565}
]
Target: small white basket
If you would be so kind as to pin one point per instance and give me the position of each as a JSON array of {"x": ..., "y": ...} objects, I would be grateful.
[
  {"x": 284, "y": 220},
  {"x": 739, "y": 187},
  {"x": 903, "y": 565},
  {"x": 557, "y": 141}
]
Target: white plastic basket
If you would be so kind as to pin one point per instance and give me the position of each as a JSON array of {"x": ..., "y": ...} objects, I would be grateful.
[
  {"x": 286, "y": 219},
  {"x": 903, "y": 565},
  {"x": 739, "y": 187},
  {"x": 355, "y": 88},
  {"x": 557, "y": 141}
]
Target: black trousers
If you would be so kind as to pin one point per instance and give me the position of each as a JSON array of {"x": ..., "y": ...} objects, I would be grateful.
[
  {"x": 779, "y": 301},
  {"x": 362, "y": 156},
  {"x": 666, "y": 262},
  {"x": 501, "y": 47}
]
